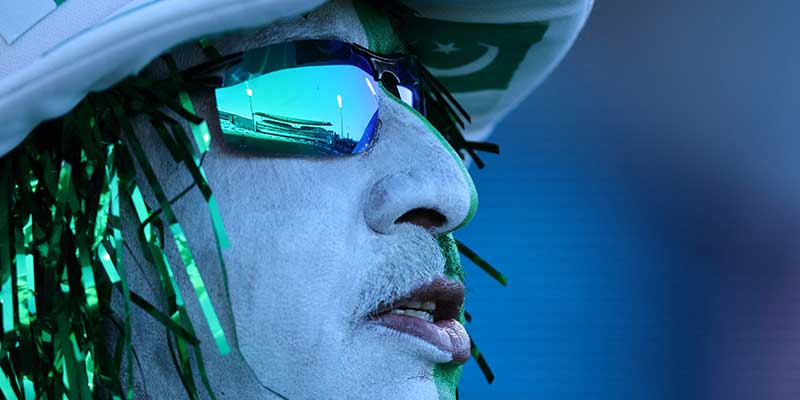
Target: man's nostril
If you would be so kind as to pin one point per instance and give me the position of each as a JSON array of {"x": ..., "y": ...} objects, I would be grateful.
[{"x": 424, "y": 217}]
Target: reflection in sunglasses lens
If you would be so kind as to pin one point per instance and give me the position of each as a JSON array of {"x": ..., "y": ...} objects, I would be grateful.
[{"x": 313, "y": 110}]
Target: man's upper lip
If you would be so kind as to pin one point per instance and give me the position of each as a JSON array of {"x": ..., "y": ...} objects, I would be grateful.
[{"x": 447, "y": 294}]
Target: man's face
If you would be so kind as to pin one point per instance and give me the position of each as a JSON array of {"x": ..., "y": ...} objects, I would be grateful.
[{"x": 320, "y": 245}]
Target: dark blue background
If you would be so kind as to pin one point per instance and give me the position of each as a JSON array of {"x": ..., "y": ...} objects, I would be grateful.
[{"x": 646, "y": 209}]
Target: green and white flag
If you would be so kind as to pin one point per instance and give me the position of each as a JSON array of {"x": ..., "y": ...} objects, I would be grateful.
[
  {"x": 491, "y": 54},
  {"x": 17, "y": 16},
  {"x": 471, "y": 56}
]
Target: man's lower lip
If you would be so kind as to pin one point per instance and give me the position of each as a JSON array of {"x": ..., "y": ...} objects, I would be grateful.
[{"x": 447, "y": 335}]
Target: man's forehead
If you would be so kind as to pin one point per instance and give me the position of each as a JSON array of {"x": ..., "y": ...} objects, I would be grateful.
[{"x": 336, "y": 19}]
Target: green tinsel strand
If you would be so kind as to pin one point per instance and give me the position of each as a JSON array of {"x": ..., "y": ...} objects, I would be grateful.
[
  {"x": 478, "y": 357},
  {"x": 483, "y": 264},
  {"x": 125, "y": 342},
  {"x": 494, "y": 273},
  {"x": 190, "y": 265},
  {"x": 26, "y": 283},
  {"x": 170, "y": 286},
  {"x": 6, "y": 290}
]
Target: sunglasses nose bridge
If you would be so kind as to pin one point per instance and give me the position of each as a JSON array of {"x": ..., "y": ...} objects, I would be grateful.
[{"x": 389, "y": 81}]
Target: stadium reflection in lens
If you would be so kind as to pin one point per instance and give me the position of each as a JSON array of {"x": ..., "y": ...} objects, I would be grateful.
[{"x": 311, "y": 110}]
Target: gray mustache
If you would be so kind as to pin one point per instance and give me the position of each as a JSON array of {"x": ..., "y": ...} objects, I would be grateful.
[{"x": 409, "y": 257}]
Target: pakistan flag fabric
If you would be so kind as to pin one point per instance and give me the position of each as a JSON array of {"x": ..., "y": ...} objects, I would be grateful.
[
  {"x": 492, "y": 54},
  {"x": 470, "y": 56}
]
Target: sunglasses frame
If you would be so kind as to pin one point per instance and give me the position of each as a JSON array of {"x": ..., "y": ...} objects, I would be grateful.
[
  {"x": 390, "y": 70},
  {"x": 430, "y": 97}
]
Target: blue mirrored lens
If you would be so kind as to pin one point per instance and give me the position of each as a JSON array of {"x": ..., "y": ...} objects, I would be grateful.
[{"x": 310, "y": 110}]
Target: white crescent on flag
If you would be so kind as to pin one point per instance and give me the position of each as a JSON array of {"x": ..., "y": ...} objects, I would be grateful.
[{"x": 479, "y": 64}]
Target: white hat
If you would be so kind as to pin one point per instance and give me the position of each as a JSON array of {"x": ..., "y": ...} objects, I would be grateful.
[{"x": 53, "y": 52}]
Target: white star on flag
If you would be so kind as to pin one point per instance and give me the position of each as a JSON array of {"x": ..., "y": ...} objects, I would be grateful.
[{"x": 446, "y": 48}]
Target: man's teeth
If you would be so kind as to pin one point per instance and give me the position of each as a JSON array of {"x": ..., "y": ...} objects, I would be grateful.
[
  {"x": 423, "y": 310},
  {"x": 423, "y": 315},
  {"x": 421, "y": 305}
]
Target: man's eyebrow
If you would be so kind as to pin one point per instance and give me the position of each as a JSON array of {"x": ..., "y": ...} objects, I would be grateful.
[
  {"x": 257, "y": 41},
  {"x": 331, "y": 36}
]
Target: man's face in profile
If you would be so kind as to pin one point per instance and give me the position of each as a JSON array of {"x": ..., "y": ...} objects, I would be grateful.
[{"x": 335, "y": 277}]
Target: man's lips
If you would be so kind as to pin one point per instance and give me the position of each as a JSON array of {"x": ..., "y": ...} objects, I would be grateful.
[{"x": 429, "y": 313}]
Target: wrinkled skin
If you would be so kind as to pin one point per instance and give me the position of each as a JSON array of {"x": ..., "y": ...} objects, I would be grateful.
[{"x": 316, "y": 244}]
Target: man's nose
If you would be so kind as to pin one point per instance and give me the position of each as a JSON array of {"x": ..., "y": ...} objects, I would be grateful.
[{"x": 420, "y": 179}]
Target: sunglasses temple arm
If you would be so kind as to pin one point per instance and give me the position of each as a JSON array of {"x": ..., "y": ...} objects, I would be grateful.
[{"x": 210, "y": 74}]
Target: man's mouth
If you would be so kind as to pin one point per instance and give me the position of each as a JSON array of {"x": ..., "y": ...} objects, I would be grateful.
[{"x": 429, "y": 313}]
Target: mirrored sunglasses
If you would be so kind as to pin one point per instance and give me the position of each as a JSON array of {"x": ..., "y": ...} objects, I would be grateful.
[{"x": 309, "y": 97}]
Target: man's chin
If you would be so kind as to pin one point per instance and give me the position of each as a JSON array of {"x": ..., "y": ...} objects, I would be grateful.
[{"x": 385, "y": 363}]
